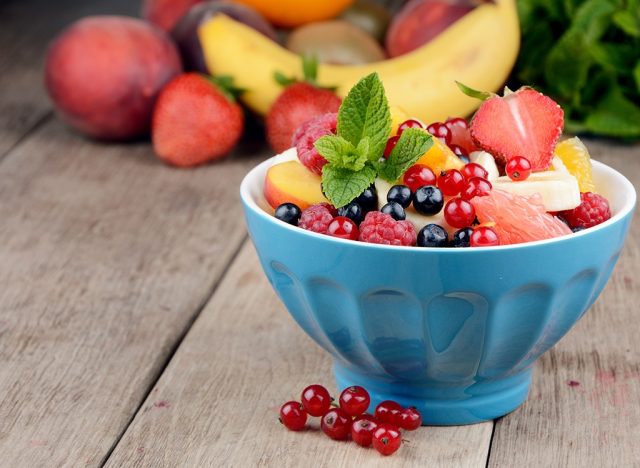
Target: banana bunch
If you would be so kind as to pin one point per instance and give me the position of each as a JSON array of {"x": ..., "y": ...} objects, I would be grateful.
[{"x": 478, "y": 50}]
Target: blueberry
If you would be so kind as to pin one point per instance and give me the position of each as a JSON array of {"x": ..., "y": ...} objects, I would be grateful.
[
  {"x": 368, "y": 200},
  {"x": 400, "y": 194},
  {"x": 577, "y": 229},
  {"x": 289, "y": 213},
  {"x": 462, "y": 237},
  {"x": 428, "y": 200},
  {"x": 353, "y": 211},
  {"x": 432, "y": 235},
  {"x": 395, "y": 210}
]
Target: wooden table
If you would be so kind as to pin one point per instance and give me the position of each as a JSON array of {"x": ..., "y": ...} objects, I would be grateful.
[{"x": 137, "y": 329}]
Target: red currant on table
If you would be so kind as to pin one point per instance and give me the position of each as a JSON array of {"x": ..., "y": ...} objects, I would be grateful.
[
  {"x": 411, "y": 123},
  {"x": 474, "y": 170},
  {"x": 362, "y": 429},
  {"x": 336, "y": 424},
  {"x": 293, "y": 415},
  {"x": 459, "y": 213},
  {"x": 518, "y": 168},
  {"x": 451, "y": 182},
  {"x": 391, "y": 143},
  {"x": 410, "y": 419},
  {"x": 386, "y": 439},
  {"x": 388, "y": 411},
  {"x": 441, "y": 131},
  {"x": 476, "y": 187},
  {"x": 418, "y": 176},
  {"x": 484, "y": 236},
  {"x": 344, "y": 228},
  {"x": 354, "y": 400},
  {"x": 316, "y": 400}
]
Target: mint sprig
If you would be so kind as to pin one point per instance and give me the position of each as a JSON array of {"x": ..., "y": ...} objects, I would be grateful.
[
  {"x": 412, "y": 144},
  {"x": 343, "y": 185}
]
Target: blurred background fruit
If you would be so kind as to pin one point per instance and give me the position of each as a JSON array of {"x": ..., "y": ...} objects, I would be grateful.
[
  {"x": 166, "y": 13},
  {"x": 335, "y": 41},
  {"x": 103, "y": 74},
  {"x": 292, "y": 13},
  {"x": 185, "y": 32},
  {"x": 369, "y": 16}
]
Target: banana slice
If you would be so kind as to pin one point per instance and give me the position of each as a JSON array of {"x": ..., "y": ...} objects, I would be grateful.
[
  {"x": 559, "y": 190},
  {"x": 487, "y": 161},
  {"x": 558, "y": 165}
]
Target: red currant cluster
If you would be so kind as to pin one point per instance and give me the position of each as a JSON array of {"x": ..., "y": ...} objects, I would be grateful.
[{"x": 349, "y": 418}]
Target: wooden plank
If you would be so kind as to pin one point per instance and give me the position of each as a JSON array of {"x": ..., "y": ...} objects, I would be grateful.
[
  {"x": 106, "y": 257},
  {"x": 216, "y": 404},
  {"x": 583, "y": 409},
  {"x": 27, "y": 27}
]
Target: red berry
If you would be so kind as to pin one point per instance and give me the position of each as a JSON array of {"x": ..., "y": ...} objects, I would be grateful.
[
  {"x": 362, "y": 429},
  {"x": 418, "y": 176},
  {"x": 354, "y": 400},
  {"x": 456, "y": 122},
  {"x": 459, "y": 213},
  {"x": 344, "y": 228},
  {"x": 410, "y": 419},
  {"x": 441, "y": 131},
  {"x": 484, "y": 237},
  {"x": 451, "y": 182},
  {"x": 411, "y": 123},
  {"x": 293, "y": 415},
  {"x": 518, "y": 168},
  {"x": 317, "y": 218},
  {"x": 460, "y": 152},
  {"x": 386, "y": 439},
  {"x": 336, "y": 424},
  {"x": 592, "y": 210},
  {"x": 391, "y": 143},
  {"x": 381, "y": 228},
  {"x": 388, "y": 411},
  {"x": 476, "y": 187},
  {"x": 316, "y": 400},
  {"x": 307, "y": 134},
  {"x": 474, "y": 170}
]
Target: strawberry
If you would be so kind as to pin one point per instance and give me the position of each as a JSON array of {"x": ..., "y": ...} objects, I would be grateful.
[
  {"x": 522, "y": 123},
  {"x": 196, "y": 120},
  {"x": 298, "y": 103}
]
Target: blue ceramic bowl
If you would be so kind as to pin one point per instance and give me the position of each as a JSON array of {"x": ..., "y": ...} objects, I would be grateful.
[{"x": 453, "y": 332}]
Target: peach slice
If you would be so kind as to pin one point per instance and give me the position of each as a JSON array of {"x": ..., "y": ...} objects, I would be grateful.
[{"x": 291, "y": 182}]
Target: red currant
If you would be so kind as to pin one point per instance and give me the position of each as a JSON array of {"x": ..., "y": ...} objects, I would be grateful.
[
  {"x": 316, "y": 400},
  {"x": 344, "y": 228},
  {"x": 476, "y": 187},
  {"x": 293, "y": 415},
  {"x": 391, "y": 143},
  {"x": 362, "y": 429},
  {"x": 388, "y": 411},
  {"x": 459, "y": 213},
  {"x": 451, "y": 182},
  {"x": 474, "y": 170},
  {"x": 336, "y": 424},
  {"x": 461, "y": 153},
  {"x": 456, "y": 122},
  {"x": 418, "y": 176},
  {"x": 386, "y": 439},
  {"x": 484, "y": 236},
  {"x": 410, "y": 419},
  {"x": 411, "y": 123},
  {"x": 518, "y": 168},
  {"x": 354, "y": 400},
  {"x": 441, "y": 131}
]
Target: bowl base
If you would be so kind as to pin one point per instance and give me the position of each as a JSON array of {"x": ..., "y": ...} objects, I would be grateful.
[{"x": 472, "y": 404}]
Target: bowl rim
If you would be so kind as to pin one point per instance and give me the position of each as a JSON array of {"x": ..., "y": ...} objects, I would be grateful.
[{"x": 250, "y": 204}]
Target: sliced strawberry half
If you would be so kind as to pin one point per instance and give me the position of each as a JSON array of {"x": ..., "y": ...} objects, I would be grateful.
[{"x": 525, "y": 123}]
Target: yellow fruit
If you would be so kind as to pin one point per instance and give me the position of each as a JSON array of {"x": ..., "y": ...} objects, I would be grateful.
[
  {"x": 440, "y": 158},
  {"x": 397, "y": 117},
  {"x": 292, "y": 13},
  {"x": 291, "y": 182},
  {"x": 478, "y": 50},
  {"x": 575, "y": 157}
]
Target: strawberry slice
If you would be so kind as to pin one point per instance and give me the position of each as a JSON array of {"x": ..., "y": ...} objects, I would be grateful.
[{"x": 525, "y": 123}]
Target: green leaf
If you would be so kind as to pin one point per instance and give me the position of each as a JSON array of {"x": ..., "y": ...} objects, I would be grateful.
[
  {"x": 593, "y": 18},
  {"x": 617, "y": 57},
  {"x": 627, "y": 22},
  {"x": 615, "y": 116},
  {"x": 283, "y": 80},
  {"x": 225, "y": 84},
  {"x": 566, "y": 68},
  {"x": 412, "y": 144},
  {"x": 636, "y": 75},
  {"x": 310, "y": 68},
  {"x": 341, "y": 153},
  {"x": 364, "y": 113},
  {"x": 341, "y": 186},
  {"x": 474, "y": 93}
]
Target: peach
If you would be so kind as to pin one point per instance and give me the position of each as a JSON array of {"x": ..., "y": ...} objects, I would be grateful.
[
  {"x": 166, "y": 13},
  {"x": 292, "y": 182},
  {"x": 103, "y": 74}
]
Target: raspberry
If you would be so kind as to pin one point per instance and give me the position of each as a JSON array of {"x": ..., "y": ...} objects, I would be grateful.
[
  {"x": 381, "y": 228},
  {"x": 316, "y": 218},
  {"x": 307, "y": 134},
  {"x": 593, "y": 210}
]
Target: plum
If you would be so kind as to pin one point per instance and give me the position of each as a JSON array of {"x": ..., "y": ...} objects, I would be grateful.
[
  {"x": 185, "y": 33},
  {"x": 419, "y": 21},
  {"x": 103, "y": 74},
  {"x": 166, "y": 13}
]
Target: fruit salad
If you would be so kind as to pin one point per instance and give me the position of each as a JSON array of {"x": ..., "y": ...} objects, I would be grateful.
[{"x": 369, "y": 173}]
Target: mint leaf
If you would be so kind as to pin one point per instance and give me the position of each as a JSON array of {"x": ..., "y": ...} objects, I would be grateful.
[
  {"x": 342, "y": 186},
  {"x": 341, "y": 153},
  {"x": 636, "y": 74},
  {"x": 615, "y": 116},
  {"x": 412, "y": 144},
  {"x": 627, "y": 22},
  {"x": 364, "y": 113}
]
